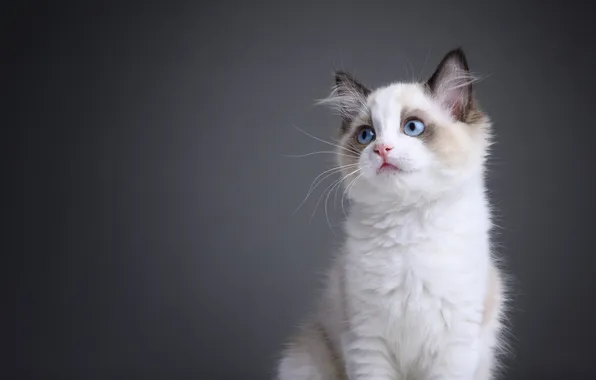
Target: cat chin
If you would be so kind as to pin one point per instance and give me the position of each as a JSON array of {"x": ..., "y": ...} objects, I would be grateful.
[
  {"x": 405, "y": 187},
  {"x": 399, "y": 179},
  {"x": 393, "y": 173},
  {"x": 389, "y": 186}
]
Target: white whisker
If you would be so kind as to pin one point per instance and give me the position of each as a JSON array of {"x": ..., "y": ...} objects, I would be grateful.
[
  {"x": 346, "y": 191},
  {"x": 333, "y": 171},
  {"x": 335, "y": 196},
  {"x": 321, "y": 140},
  {"x": 348, "y": 147},
  {"x": 320, "y": 198},
  {"x": 315, "y": 184},
  {"x": 324, "y": 191},
  {"x": 321, "y": 152},
  {"x": 336, "y": 186}
]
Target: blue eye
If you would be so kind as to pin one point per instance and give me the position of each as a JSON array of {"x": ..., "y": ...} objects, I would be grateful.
[
  {"x": 366, "y": 135},
  {"x": 414, "y": 127}
]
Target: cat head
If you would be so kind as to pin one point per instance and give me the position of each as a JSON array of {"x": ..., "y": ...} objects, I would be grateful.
[{"x": 408, "y": 142}]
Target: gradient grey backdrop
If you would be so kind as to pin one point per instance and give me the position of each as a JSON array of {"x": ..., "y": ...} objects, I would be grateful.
[{"x": 153, "y": 207}]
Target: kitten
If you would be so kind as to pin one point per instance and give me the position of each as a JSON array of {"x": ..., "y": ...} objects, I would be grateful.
[{"x": 415, "y": 292}]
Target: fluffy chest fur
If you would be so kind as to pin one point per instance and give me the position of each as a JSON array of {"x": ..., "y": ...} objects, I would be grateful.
[{"x": 413, "y": 276}]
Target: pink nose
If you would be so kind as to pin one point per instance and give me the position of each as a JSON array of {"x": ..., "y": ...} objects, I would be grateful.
[{"x": 382, "y": 150}]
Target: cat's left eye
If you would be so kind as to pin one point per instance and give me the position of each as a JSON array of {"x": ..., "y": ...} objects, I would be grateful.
[
  {"x": 365, "y": 135},
  {"x": 414, "y": 127}
]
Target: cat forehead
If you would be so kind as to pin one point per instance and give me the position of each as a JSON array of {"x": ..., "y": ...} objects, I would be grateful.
[
  {"x": 399, "y": 95},
  {"x": 392, "y": 101}
]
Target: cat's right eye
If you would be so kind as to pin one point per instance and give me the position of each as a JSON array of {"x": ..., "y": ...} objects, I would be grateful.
[
  {"x": 414, "y": 127},
  {"x": 365, "y": 135}
]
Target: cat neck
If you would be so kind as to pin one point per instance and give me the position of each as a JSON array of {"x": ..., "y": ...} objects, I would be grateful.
[{"x": 462, "y": 207}]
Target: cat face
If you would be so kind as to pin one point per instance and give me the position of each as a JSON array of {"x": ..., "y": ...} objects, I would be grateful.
[{"x": 411, "y": 141}]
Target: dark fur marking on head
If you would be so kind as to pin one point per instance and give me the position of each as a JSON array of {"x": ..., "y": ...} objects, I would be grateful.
[
  {"x": 347, "y": 86},
  {"x": 467, "y": 106}
]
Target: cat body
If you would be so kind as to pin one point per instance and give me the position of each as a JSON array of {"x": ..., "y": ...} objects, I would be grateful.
[{"x": 414, "y": 293}]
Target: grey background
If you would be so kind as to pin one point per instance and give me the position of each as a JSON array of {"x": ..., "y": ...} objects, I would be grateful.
[{"x": 152, "y": 232}]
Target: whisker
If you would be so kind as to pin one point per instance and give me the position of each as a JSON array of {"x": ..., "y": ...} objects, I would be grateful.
[
  {"x": 335, "y": 196},
  {"x": 349, "y": 147},
  {"x": 321, "y": 152},
  {"x": 324, "y": 191},
  {"x": 346, "y": 191},
  {"x": 319, "y": 201},
  {"x": 315, "y": 184},
  {"x": 337, "y": 186},
  {"x": 335, "y": 169},
  {"x": 347, "y": 187},
  {"x": 321, "y": 140}
]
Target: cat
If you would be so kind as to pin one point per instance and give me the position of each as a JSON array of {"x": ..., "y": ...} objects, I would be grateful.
[{"x": 415, "y": 293}]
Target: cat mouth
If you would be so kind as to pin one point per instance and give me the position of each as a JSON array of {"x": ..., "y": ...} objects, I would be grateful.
[{"x": 386, "y": 167}]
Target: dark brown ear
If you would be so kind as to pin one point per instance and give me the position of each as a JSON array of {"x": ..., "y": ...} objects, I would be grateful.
[
  {"x": 351, "y": 95},
  {"x": 451, "y": 84}
]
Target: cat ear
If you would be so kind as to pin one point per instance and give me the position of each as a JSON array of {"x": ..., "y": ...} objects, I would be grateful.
[
  {"x": 349, "y": 96},
  {"x": 451, "y": 84}
]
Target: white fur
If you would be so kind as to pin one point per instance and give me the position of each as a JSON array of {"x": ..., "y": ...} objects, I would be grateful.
[{"x": 406, "y": 296}]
